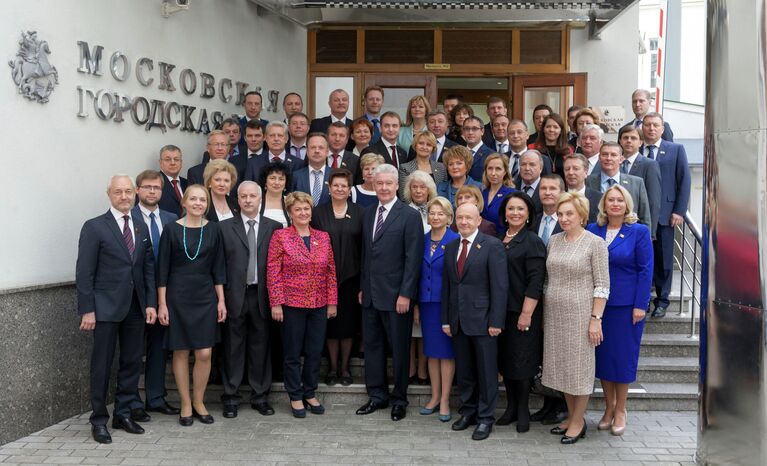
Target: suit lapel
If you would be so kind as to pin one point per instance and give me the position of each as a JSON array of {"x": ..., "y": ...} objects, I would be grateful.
[
  {"x": 239, "y": 230},
  {"x": 476, "y": 246},
  {"x": 619, "y": 238},
  {"x": 112, "y": 225},
  {"x": 395, "y": 210}
]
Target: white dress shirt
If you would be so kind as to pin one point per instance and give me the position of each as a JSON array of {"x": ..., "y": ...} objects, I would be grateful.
[
  {"x": 121, "y": 222},
  {"x": 387, "y": 209},
  {"x": 145, "y": 214},
  {"x": 475, "y": 148},
  {"x": 471, "y": 239},
  {"x": 631, "y": 161},
  {"x": 552, "y": 225}
]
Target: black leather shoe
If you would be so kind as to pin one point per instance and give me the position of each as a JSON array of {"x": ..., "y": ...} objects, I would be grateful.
[
  {"x": 463, "y": 423},
  {"x": 101, "y": 434},
  {"x": 318, "y": 409},
  {"x": 139, "y": 415},
  {"x": 398, "y": 413},
  {"x": 556, "y": 430},
  {"x": 565, "y": 440},
  {"x": 185, "y": 421},
  {"x": 331, "y": 380},
  {"x": 164, "y": 408},
  {"x": 230, "y": 411},
  {"x": 263, "y": 408},
  {"x": 346, "y": 379},
  {"x": 127, "y": 424},
  {"x": 509, "y": 416},
  {"x": 660, "y": 311},
  {"x": 204, "y": 418},
  {"x": 541, "y": 414},
  {"x": 555, "y": 417},
  {"x": 482, "y": 432},
  {"x": 371, "y": 406}
]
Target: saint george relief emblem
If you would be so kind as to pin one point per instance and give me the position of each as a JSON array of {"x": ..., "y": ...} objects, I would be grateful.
[{"x": 34, "y": 76}]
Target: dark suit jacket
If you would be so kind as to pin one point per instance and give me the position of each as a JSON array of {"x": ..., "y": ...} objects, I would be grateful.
[
  {"x": 107, "y": 275},
  {"x": 675, "y": 180},
  {"x": 487, "y": 137},
  {"x": 321, "y": 125},
  {"x": 667, "y": 135},
  {"x": 380, "y": 148},
  {"x": 536, "y": 225},
  {"x": 594, "y": 197},
  {"x": 448, "y": 144},
  {"x": 235, "y": 239},
  {"x": 477, "y": 300},
  {"x": 230, "y": 201},
  {"x": 526, "y": 266},
  {"x": 391, "y": 264},
  {"x": 631, "y": 265},
  {"x": 255, "y": 164},
  {"x": 350, "y": 161},
  {"x": 194, "y": 174},
  {"x": 478, "y": 166},
  {"x": 634, "y": 185},
  {"x": 302, "y": 181},
  {"x": 165, "y": 218},
  {"x": 168, "y": 201},
  {"x": 649, "y": 171},
  {"x": 535, "y": 197}
]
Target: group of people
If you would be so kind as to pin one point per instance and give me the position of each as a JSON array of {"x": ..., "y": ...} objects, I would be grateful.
[{"x": 496, "y": 253}]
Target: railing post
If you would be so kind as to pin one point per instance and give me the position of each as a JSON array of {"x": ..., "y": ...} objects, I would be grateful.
[{"x": 681, "y": 267}]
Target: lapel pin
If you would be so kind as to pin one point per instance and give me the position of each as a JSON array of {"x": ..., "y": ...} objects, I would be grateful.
[
  {"x": 443, "y": 246},
  {"x": 479, "y": 246},
  {"x": 315, "y": 243},
  {"x": 498, "y": 195},
  {"x": 621, "y": 235},
  {"x": 348, "y": 216}
]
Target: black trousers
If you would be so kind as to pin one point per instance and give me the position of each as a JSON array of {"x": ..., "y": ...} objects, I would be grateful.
[
  {"x": 303, "y": 332},
  {"x": 130, "y": 334},
  {"x": 476, "y": 369},
  {"x": 378, "y": 328},
  {"x": 154, "y": 367},
  {"x": 246, "y": 340},
  {"x": 663, "y": 248}
]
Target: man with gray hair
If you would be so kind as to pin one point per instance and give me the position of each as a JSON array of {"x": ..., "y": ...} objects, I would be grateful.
[
  {"x": 530, "y": 170},
  {"x": 116, "y": 296},
  {"x": 339, "y": 106},
  {"x": 276, "y": 136},
  {"x": 218, "y": 149},
  {"x": 245, "y": 333},
  {"x": 590, "y": 140},
  {"x": 392, "y": 251}
]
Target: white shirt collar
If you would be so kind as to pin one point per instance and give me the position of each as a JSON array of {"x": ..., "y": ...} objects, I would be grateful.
[
  {"x": 119, "y": 216},
  {"x": 475, "y": 148},
  {"x": 245, "y": 219},
  {"x": 471, "y": 237},
  {"x": 579, "y": 191},
  {"x": 632, "y": 158},
  {"x": 502, "y": 142},
  {"x": 333, "y": 119},
  {"x": 389, "y": 205},
  {"x": 321, "y": 169},
  {"x": 656, "y": 143},
  {"x": 533, "y": 185},
  {"x": 170, "y": 178},
  {"x": 146, "y": 211},
  {"x": 282, "y": 156},
  {"x": 388, "y": 144}
]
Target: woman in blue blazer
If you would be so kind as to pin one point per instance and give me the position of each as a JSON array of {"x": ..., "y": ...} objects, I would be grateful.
[
  {"x": 631, "y": 267},
  {"x": 436, "y": 345}
]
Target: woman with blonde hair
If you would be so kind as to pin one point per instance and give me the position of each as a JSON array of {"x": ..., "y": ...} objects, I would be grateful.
[
  {"x": 425, "y": 146},
  {"x": 415, "y": 120},
  {"x": 220, "y": 177},
  {"x": 496, "y": 184}
]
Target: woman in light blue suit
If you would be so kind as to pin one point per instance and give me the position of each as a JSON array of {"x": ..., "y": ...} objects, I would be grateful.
[
  {"x": 436, "y": 345},
  {"x": 631, "y": 268}
]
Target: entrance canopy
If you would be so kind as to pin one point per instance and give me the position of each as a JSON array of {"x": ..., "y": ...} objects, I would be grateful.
[{"x": 501, "y": 12}]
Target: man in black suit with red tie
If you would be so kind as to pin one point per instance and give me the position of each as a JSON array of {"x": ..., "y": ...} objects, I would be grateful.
[
  {"x": 174, "y": 186},
  {"x": 116, "y": 296},
  {"x": 474, "y": 287},
  {"x": 339, "y": 106},
  {"x": 387, "y": 145}
]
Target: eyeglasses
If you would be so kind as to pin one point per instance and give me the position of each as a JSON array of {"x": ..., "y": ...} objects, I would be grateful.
[
  {"x": 174, "y": 160},
  {"x": 151, "y": 187},
  {"x": 220, "y": 144},
  {"x": 470, "y": 129}
]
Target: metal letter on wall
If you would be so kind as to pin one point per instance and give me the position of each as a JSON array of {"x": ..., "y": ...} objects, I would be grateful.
[
  {"x": 142, "y": 63},
  {"x": 274, "y": 98},
  {"x": 34, "y": 76},
  {"x": 166, "y": 83},
  {"x": 89, "y": 62},
  {"x": 114, "y": 66}
]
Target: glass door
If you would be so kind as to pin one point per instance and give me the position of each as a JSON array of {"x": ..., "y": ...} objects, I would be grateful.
[
  {"x": 399, "y": 88},
  {"x": 558, "y": 91}
]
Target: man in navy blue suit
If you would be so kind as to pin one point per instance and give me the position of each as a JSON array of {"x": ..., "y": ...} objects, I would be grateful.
[
  {"x": 298, "y": 129},
  {"x": 338, "y": 156},
  {"x": 313, "y": 178},
  {"x": 637, "y": 164},
  {"x": 116, "y": 296},
  {"x": 472, "y": 131},
  {"x": 254, "y": 140},
  {"x": 675, "y": 196},
  {"x": 339, "y": 106},
  {"x": 387, "y": 144},
  {"x": 149, "y": 186},
  {"x": 276, "y": 137},
  {"x": 252, "y": 105},
  {"x": 499, "y": 135},
  {"x": 640, "y": 104},
  {"x": 496, "y": 107},
  {"x": 292, "y": 103},
  {"x": 174, "y": 185},
  {"x": 438, "y": 122},
  {"x": 576, "y": 167},
  {"x": 218, "y": 148}
]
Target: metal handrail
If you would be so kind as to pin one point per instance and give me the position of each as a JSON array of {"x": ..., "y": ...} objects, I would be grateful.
[{"x": 690, "y": 239}]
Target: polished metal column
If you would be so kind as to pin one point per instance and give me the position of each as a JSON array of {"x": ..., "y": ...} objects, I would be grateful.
[{"x": 732, "y": 424}]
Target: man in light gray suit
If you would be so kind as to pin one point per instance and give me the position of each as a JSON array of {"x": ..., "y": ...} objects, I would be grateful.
[
  {"x": 610, "y": 158},
  {"x": 636, "y": 164}
]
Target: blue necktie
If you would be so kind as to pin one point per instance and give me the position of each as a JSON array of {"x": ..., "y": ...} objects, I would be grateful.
[
  {"x": 154, "y": 231},
  {"x": 651, "y": 152},
  {"x": 376, "y": 131},
  {"x": 316, "y": 186}
]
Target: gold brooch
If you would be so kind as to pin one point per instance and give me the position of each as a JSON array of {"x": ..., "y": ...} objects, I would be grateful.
[{"x": 479, "y": 246}]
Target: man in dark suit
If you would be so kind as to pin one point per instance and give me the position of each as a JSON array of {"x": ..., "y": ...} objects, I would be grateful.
[
  {"x": 254, "y": 140},
  {"x": 636, "y": 164},
  {"x": 499, "y": 136},
  {"x": 313, "y": 178},
  {"x": 540, "y": 112},
  {"x": 640, "y": 104},
  {"x": 474, "y": 313},
  {"x": 237, "y": 149},
  {"x": 530, "y": 171},
  {"x": 116, "y": 296},
  {"x": 472, "y": 132},
  {"x": 339, "y": 106},
  {"x": 575, "y": 168},
  {"x": 276, "y": 137},
  {"x": 589, "y": 142},
  {"x": 517, "y": 133},
  {"x": 387, "y": 144},
  {"x": 174, "y": 185},
  {"x": 392, "y": 251},
  {"x": 496, "y": 107},
  {"x": 252, "y": 105},
  {"x": 437, "y": 121},
  {"x": 372, "y": 101},
  {"x": 610, "y": 158},
  {"x": 298, "y": 129},
  {"x": 546, "y": 223},
  {"x": 292, "y": 103},
  {"x": 218, "y": 148},
  {"x": 246, "y": 238},
  {"x": 675, "y": 197},
  {"x": 149, "y": 186},
  {"x": 338, "y": 156}
]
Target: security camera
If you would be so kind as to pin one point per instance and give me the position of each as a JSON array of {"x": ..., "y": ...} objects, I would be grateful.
[{"x": 173, "y": 6}]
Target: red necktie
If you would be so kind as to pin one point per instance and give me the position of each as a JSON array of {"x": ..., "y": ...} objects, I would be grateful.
[
  {"x": 394, "y": 160},
  {"x": 462, "y": 257},
  {"x": 176, "y": 191},
  {"x": 128, "y": 236},
  {"x": 335, "y": 160}
]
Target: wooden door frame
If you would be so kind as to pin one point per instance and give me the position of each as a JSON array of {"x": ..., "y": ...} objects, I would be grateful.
[{"x": 578, "y": 81}]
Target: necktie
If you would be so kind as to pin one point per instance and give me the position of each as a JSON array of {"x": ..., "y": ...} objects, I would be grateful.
[
  {"x": 436, "y": 153},
  {"x": 252, "y": 248},
  {"x": 376, "y": 130},
  {"x": 128, "y": 236},
  {"x": 297, "y": 152},
  {"x": 154, "y": 231},
  {"x": 527, "y": 189},
  {"x": 394, "y": 157},
  {"x": 651, "y": 152},
  {"x": 625, "y": 167},
  {"x": 462, "y": 257},
  {"x": 637, "y": 123},
  {"x": 379, "y": 223},
  {"x": 546, "y": 229},
  {"x": 611, "y": 182},
  {"x": 316, "y": 186},
  {"x": 501, "y": 148},
  {"x": 515, "y": 165},
  {"x": 335, "y": 160},
  {"x": 176, "y": 191}
]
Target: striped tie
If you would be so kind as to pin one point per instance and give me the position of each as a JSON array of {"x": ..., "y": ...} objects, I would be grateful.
[
  {"x": 127, "y": 236},
  {"x": 316, "y": 186},
  {"x": 379, "y": 223}
]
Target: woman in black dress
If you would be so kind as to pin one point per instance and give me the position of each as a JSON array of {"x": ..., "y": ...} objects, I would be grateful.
[
  {"x": 191, "y": 278},
  {"x": 520, "y": 345},
  {"x": 342, "y": 220}
]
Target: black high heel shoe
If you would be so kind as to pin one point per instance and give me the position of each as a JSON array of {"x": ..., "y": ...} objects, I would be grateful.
[
  {"x": 204, "y": 418},
  {"x": 298, "y": 413},
  {"x": 319, "y": 409},
  {"x": 565, "y": 440},
  {"x": 556, "y": 430}
]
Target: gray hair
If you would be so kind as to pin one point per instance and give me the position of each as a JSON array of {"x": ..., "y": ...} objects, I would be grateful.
[
  {"x": 596, "y": 128},
  {"x": 274, "y": 123},
  {"x": 419, "y": 176},
  {"x": 386, "y": 169},
  {"x": 169, "y": 148},
  {"x": 535, "y": 153},
  {"x": 247, "y": 183},
  {"x": 120, "y": 175}
]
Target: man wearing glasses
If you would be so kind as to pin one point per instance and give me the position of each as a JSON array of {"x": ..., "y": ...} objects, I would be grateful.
[
  {"x": 472, "y": 131},
  {"x": 218, "y": 148},
  {"x": 173, "y": 185}
]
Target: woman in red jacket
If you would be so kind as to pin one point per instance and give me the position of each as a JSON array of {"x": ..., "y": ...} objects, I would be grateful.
[{"x": 301, "y": 279}]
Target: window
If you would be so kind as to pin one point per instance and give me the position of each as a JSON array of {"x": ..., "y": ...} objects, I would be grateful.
[
  {"x": 399, "y": 46},
  {"x": 336, "y": 46},
  {"x": 540, "y": 47},
  {"x": 462, "y": 46}
]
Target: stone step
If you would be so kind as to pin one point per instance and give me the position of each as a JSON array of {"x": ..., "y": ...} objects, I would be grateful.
[
  {"x": 673, "y": 322},
  {"x": 667, "y": 370},
  {"x": 669, "y": 345}
]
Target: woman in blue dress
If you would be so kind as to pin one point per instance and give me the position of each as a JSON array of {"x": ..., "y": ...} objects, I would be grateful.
[
  {"x": 436, "y": 345},
  {"x": 496, "y": 184},
  {"x": 631, "y": 265}
]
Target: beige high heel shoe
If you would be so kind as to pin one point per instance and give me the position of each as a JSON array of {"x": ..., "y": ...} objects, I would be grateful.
[
  {"x": 618, "y": 430},
  {"x": 604, "y": 425}
]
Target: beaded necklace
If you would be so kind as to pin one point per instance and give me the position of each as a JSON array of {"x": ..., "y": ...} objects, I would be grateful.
[{"x": 199, "y": 244}]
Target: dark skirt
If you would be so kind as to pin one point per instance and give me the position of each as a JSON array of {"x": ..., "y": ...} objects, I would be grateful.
[
  {"x": 618, "y": 354},
  {"x": 193, "y": 313},
  {"x": 346, "y": 323},
  {"x": 520, "y": 353}
]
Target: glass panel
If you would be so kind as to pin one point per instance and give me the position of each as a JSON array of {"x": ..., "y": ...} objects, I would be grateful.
[
  {"x": 337, "y": 46},
  {"x": 324, "y": 85},
  {"x": 399, "y": 46},
  {"x": 476, "y": 46},
  {"x": 396, "y": 99},
  {"x": 559, "y": 98},
  {"x": 540, "y": 47}
]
